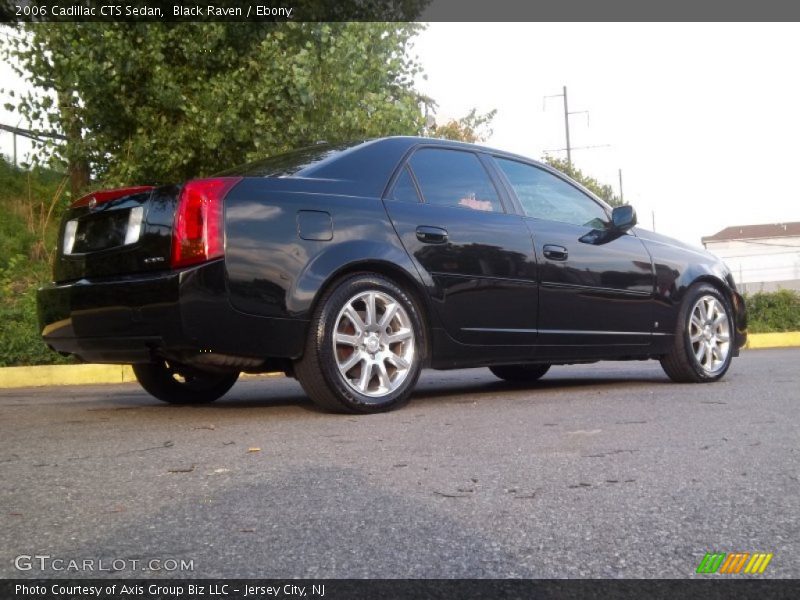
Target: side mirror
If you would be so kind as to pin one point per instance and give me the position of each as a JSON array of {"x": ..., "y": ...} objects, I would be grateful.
[{"x": 623, "y": 217}]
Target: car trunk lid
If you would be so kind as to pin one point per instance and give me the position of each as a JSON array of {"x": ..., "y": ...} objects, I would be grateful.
[{"x": 127, "y": 230}]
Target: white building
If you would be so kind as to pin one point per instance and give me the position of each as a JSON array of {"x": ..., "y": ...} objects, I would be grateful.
[{"x": 762, "y": 257}]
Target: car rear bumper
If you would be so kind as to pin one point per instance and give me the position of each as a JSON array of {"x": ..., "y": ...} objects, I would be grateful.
[{"x": 173, "y": 314}]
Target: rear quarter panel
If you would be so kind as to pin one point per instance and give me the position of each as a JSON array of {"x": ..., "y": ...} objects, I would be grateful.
[{"x": 272, "y": 271}]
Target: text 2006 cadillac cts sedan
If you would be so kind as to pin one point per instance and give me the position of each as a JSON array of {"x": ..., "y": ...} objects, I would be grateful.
[{"x": 352, "y": 267}]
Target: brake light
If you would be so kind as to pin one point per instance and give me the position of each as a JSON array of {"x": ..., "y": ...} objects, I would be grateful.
[
  {"x": 198, "y": 232},
  {"x": 102, "y": 196}
]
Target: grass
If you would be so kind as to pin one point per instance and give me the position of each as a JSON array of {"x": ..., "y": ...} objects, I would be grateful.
[{"x": 31, "y": 203}]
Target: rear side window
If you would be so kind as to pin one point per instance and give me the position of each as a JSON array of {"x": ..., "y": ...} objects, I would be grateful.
[
  {"x": 404, "y": 188},
  {"x": 454, "y": 178},
  {"x": 545, "y": 196}
]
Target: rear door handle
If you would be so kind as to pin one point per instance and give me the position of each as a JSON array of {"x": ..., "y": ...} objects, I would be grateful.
[
  {"x": 554, "y": 252},
  {"x": 431, "y": 235}
]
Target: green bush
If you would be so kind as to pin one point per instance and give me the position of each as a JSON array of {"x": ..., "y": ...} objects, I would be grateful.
[{"x": 773, "y": 311}]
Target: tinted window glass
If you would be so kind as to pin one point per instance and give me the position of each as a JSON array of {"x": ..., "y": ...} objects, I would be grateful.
[
  {"x": 404, "y": 188},
  {"x": 290, "y": 163},
  {"x": 545, "y": 196},
  {"x": 454, "y": 178}
]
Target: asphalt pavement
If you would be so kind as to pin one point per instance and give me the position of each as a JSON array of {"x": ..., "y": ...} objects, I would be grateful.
[{"x": 605, "y": 470}]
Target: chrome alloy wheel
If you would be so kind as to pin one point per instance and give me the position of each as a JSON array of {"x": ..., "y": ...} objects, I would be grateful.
[
  {"x": 709, "y": 333},
  {"x": 373, "y": 342}
]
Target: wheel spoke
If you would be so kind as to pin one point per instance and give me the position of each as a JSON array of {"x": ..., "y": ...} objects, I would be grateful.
[
  {"x": 700, "y": 353},
  {"x": 383, "y": 376},
  {"x": 354, "y": 318},
  {"x": 723, "y": 337},
  {"x": 696, "y": 337},
  {"x": 369, "y": 302},
  {"x": 399, "y": 336},
  {"x": 701, "y": 309},
  {"x": 709, "y": 359},
  {"x": 351, "y": 362},
  {"x": 348, "y": 340},
  {"x": 366, "y": 376},
  {"x": 398, "y": 361},
  {"x": 711, "y": 309},
  {"x": 388, "y": 315}
]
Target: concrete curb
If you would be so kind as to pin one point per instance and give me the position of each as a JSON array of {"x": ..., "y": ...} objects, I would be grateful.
[
  {"x": 773, "y": 340},
  {"x": 13, "y": 377},
  {"x": 56, "y": 375}
]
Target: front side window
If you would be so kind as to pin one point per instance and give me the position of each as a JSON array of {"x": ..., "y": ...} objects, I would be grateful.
[
  {"x": 545, "y": 196},
  {"x": 454, "y": 178}
]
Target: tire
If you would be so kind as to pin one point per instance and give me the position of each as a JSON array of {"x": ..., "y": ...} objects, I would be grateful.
[
  {"x": 704, "y": 336},
  {"x": 177, "y": 384},
  {"x": 520, "y": 373},
  {"x": 355, "y": 360}
]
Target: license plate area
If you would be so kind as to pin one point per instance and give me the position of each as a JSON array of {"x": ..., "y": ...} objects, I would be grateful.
[{"x": 103, "y": 231}]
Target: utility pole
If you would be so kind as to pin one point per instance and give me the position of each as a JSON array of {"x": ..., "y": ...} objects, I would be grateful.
[
  {"x": 654, "y": 219},
  {"x": 566, "y": 127},
  {"x": 621, "y": 197},
  {"x": 567, "y": 113}
]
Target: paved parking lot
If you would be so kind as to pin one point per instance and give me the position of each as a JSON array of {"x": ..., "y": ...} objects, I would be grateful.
[{"x": 605, "y": 470}]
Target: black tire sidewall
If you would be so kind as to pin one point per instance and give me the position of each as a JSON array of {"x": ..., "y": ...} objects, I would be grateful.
[
  {"x": 156, "y": 378},
  {"x": 525, "y": 373},
  {"x": 686, "y": 310},
  {"x": 323, "y": 343}
]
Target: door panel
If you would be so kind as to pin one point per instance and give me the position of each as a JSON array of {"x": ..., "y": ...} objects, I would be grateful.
[
  {"x": 592, "y": 294},
  {"x": 483, "y": 274}
]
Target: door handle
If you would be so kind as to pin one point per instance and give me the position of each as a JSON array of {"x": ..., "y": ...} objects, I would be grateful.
[
  {"x": 554, "y": 252},
  {"x": 431, "y": 235}
]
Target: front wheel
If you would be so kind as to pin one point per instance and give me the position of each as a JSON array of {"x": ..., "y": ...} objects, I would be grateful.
[
  {"x": 520, "y": 373},
  {"x": 178, "y": 384},
  {"x": 703, "y": 345},
  {"x": 365, "y": 347}
]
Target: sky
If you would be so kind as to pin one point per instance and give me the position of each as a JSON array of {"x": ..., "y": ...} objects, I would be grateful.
[{"x": 702, "y": 119}]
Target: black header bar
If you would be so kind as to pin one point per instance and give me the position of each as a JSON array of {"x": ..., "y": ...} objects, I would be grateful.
[
  {"x": 400, "y": 589},
  {"x": 398, "y": 10}
]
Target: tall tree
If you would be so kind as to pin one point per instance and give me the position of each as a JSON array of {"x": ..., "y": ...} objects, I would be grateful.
[
  {"x": 472, "y": 127},
  {"x": 602, "y": 190},
  {"x": 158, "y": 102}
]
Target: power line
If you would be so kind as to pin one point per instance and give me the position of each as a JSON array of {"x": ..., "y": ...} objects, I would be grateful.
[{"x": 34, "y": 135}]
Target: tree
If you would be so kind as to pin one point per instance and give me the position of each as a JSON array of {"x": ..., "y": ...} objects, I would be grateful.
[
  {"x": 161, "y": 102},
  {"x": 602, "y": 190},
  {"x": 469, "y": 128}
]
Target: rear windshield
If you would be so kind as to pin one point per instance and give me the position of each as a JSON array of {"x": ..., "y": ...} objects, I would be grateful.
[{"x": 295, "y": 163}]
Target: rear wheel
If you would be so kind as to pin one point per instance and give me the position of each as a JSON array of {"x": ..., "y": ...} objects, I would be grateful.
[
  {"x": 702, "y": 347},
  {"x": 178, "y": 384},
  {"x": 365, "y": 347},
  {"x": 520, "y": 373}
]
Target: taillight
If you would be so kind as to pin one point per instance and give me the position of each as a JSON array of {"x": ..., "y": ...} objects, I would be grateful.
[
  {"x": 107, "y": 195},
  {"x": 198, "y": 233}
]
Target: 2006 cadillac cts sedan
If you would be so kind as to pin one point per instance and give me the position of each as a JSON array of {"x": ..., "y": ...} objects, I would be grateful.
[{"x": 352, "y": 267}]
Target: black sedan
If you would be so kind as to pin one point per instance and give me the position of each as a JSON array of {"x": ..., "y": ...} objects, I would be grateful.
[{"x": 352, "y": 267}]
